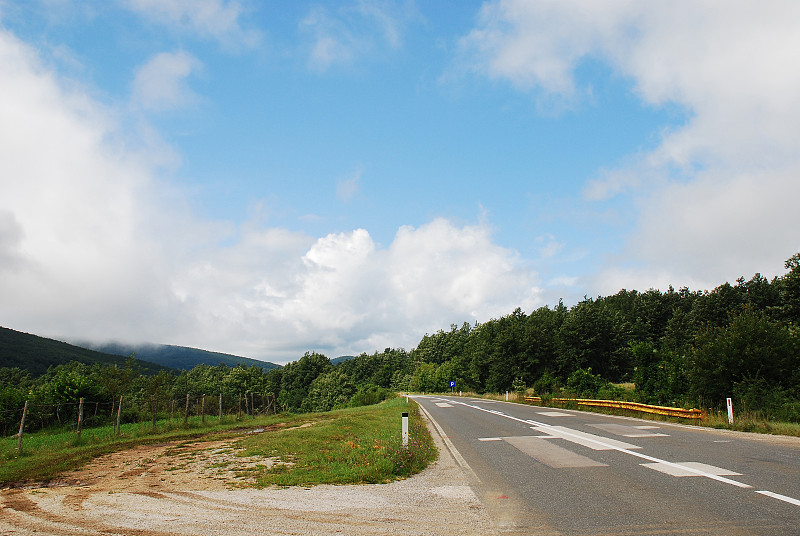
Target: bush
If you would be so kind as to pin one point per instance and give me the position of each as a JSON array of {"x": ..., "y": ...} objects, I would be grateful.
[
  {"x": 368, "y": 395},
  {"x": 584, "y": 384}
]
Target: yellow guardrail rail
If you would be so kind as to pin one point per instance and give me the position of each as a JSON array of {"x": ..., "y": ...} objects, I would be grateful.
[{"x": 632, "y": 406}]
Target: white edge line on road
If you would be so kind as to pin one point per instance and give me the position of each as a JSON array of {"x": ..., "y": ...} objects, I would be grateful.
[
  {"x": 449, "y": 444},
  {"x": 780, "y": 497}
]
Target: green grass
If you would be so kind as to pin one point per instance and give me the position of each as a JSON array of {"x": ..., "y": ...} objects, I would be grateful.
[
  {"x": 750, "y": 422},
  {"x": 47, "y": 454},
  {"x": 344, "y": 446},
  {"x": 357, "y": 445}
]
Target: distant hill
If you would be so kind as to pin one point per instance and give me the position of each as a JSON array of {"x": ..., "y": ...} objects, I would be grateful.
[
  {"x": 341, "y": 359},
  {"x": 178, "y": 357},
  {"x": 35, "y": 354}
]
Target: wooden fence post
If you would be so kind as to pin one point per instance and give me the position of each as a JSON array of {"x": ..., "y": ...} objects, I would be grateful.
[
  {"x": 220, "y": 407},
  {"x": 153, "y": 406},
  {"x": 186, "y": 413},
  {"x": 203, "y": 408},
  {"x": 80, "y": 417},
  {"x": 252, "y": 406},
  {"x": 246, "y": 411},
  {"x": 239, "y": 415},
  {"x": 21, "y": 427},
  {"x": 172, "y": 413},
  {"x": 119, "y": 413}
]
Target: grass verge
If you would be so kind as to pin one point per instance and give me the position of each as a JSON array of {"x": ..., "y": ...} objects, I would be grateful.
[
  {"x": 366, "y": 438},
  {"x": 350, "y": 446}
]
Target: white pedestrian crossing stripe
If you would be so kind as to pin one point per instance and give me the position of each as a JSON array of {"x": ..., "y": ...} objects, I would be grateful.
[
  {"x": 550, "y": 454},
  {"x": 677, "y": 469},
  {"x": 592, "y": 441}
]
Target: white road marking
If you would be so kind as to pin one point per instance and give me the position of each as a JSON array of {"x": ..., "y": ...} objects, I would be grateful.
[
  {"x": 627, "y": 431},
  {"x": 463, "y": 463},
  {"x": 780, "y": 497},
  {"x": 444, "y": 405},
  {"x": 550, "y": 454},
  {"x": 452, "y": 448},
  {"x": 554, "y": 414},
  {"x": 681, "y": 471},
  {"x": 604, "y": 443},
  {"x": 647, "y": 427},
  {"x": 582, "y": 438},
  {"x": 490, "y": 439}
]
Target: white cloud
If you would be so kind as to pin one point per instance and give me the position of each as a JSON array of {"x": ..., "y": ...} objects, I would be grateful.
[
  {"x": 354, "y": 31},
  {"x": 347, "y": 188},
  {"x": 218, "y": 19},
  {"x": 712, "y": 196},
  {"x": 95, "y": 245},
  {"x": 75, "y": 209},
  {"x": 342, "y": 293},
  {"x": 160, "y": 84}
]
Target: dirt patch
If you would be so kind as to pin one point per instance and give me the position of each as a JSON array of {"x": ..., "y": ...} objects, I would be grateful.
[
  {"x": 200, "y": 487},
  {"x": 199, "y": 465}
]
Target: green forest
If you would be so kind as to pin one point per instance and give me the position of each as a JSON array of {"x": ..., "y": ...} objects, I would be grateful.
[{"x": 679, "y": 348}]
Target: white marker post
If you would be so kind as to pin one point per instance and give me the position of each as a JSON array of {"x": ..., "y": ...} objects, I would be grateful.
[
  {"x": 730, "y": 411},
  {"x": 405, "y": 429}
]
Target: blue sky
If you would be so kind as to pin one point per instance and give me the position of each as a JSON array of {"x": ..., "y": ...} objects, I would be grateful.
[{"x": 266, "y": 178}]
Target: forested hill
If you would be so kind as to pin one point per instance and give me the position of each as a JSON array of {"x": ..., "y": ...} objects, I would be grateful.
[
  {"x": 178, "y": 357},
  {"x": 35, "y": 354}
]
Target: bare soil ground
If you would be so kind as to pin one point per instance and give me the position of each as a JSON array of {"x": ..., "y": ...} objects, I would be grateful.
[{"x": 197, "y": 488}]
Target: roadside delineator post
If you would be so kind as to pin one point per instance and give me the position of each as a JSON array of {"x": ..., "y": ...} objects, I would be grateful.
[
  {"x": 730, "y": 410},
  {"x": 405, "y": 429}
]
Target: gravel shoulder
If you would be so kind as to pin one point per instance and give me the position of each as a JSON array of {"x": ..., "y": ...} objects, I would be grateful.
[{"x": 194, "y": 488}]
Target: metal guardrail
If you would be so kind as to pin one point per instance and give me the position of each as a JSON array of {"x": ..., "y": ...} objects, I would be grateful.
[{"x": 632, "y": 406}]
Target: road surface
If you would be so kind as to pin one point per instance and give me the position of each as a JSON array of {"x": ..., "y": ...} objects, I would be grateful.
[{"x": 551, "y": 471}]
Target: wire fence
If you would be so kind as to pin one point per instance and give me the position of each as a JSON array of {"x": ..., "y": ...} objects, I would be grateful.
[{"x": 76, "y": 416}]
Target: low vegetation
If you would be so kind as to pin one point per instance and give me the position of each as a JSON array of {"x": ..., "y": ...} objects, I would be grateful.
[
  {"x": 357, "y": 445},
  {"x": 361, "y": 445}
]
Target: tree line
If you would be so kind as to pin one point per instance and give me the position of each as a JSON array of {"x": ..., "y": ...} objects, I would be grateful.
[{"x": 679, "y": 347}]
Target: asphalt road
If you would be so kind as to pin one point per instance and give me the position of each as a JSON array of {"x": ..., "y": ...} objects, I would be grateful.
[{"x": 547, "y": 471}]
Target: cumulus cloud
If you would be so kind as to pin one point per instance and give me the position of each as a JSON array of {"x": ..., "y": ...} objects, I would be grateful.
[
  {"x": 712, "y": 196},
  {"x": 160, "y": 84},
  {"x": 342, "y": 293},
  {"x": 216, "y": 19},
  {"x": 94, "y": 244}
]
